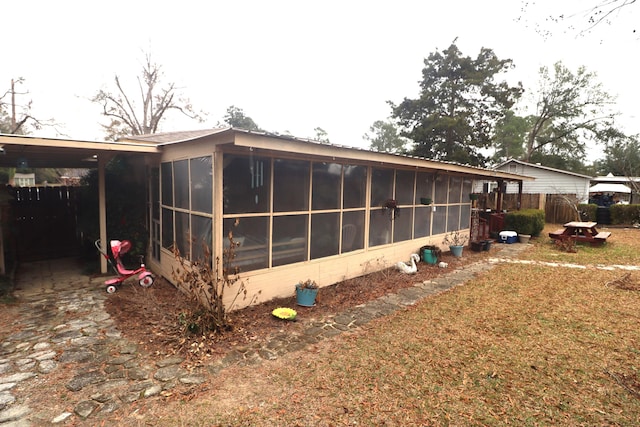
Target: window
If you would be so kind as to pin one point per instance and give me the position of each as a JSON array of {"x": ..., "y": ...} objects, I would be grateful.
[
  {"x": 187, "y": 188},
  {"x": 289, "y": 243},
  {"x": 381, "y": 186},
  {"x": 326, "y": 181},
  {"x": 290, "y": 185},
  {"x": 422, "y": 223},
  {"x": 441, "y": 189},
  {"x": 252, "y": 236},
  {"x": 181, "y": 184},
  {"x": 201, "y": 184},
  {"x": 355, "y": 187},
  {"x": 284, "y": 211},
  {"x": 325, "y": 232},
  {"x": 404, "y": 187},
  {"x": 455, "y": 189},
  {"x": 379, "y": 227},
  {"x": 247, "y": 183},
  {"x": 439, "y": 220},
  {"x": 352, "y": 231},
  {"x": 453, "y": 218},
  {"x": 403, "y": 225},
  {"x": 167, "y": 184}
]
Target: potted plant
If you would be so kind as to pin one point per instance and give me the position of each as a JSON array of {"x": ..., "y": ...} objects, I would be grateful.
[
  {"x": 456, "y": 241},
  {"x": 391, "y": 205},
  {"x": 430, "y": 254},
  {"x": 306, "y": 293}
]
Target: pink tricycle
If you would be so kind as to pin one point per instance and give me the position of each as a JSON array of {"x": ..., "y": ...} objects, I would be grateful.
[{"x": 118, "y": 248}]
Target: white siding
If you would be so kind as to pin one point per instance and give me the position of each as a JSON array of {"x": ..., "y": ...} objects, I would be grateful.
[{"x": 547, "y": 181}]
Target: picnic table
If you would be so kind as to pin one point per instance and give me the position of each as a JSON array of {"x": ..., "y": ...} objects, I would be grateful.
[{"x": 581, "y": 232}]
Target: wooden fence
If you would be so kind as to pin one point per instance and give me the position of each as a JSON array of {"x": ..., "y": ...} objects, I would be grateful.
[
  {"x": 558, "y": 209},
  {"x": 42, "y": 222}
]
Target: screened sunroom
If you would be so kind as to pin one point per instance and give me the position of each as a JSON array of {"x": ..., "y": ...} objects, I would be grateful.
[{"x": 299, "y": 209}]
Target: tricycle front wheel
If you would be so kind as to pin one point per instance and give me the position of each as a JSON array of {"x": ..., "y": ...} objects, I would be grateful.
[{"x": 146, "y": 281}]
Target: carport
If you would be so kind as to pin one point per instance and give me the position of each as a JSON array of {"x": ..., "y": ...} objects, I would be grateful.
[{"x": 37, "y": 152}]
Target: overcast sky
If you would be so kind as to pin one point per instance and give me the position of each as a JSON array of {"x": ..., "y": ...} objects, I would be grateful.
[{"x": 293, "y": 65}]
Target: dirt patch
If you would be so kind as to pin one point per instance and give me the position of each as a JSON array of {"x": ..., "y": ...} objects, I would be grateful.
[{"x": 151, "y": 317}]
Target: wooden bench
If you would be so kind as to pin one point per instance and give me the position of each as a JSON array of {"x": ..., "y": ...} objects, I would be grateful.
[
  {"x": 600, "y": 238},
  {"x": 557, "y": 234}
]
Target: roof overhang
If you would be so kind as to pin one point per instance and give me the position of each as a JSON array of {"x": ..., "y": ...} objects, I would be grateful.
[
  {"x": 36, "y": 152},
  {"x": 276, "y": 143}
]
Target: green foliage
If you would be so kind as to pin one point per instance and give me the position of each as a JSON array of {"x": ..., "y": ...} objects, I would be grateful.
[
  {"x": 511, "y": 132},
  {"x": 588, "y": 212},
  {"x": 622, "y": 157},
  {"x": 459, "y": 103},
  {"x": 385, "y": 137},
  {"x": 236, "y": 118},
  {"x": 526, "y": 221},
  {"x": 624, "y": 214},
  {"x": 126, "y": 206},
  {"x": 321, "y": 135}
]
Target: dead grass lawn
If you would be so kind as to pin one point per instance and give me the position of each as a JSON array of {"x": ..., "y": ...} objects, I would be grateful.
[{"x": 521, "y": 345}]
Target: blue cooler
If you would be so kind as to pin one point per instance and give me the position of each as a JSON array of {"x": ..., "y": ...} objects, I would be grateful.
[{"x": 508, "y": 237}]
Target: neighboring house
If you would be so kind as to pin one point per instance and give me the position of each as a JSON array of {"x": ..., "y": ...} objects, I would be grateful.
[
  {"x": 627, "y": 196},
  {"x": 24, "y": 179},
  {"x": 300, "y": 209},
  {"x": 548, "y": 181}
]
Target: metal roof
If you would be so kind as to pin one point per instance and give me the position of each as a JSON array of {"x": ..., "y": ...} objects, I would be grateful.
[
  {"x": 538, "y": 166},
  {"x": 36, "y": 152},
  {"x": 329, "y": 149}
]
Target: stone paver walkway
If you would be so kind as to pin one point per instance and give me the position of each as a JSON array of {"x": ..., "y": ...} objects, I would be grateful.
[{"x": 62, "y": 323}]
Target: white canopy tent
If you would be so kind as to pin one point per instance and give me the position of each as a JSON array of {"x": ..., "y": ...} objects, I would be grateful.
[{"x": 603, "y": 187}]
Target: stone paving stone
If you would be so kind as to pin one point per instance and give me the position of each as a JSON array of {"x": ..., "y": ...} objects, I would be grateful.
[
  {"x": 84, "y": 379},
  {"x": 16, "y": 378},
  {"x": 13, "y": 413},
  {"x": 6, "y": 398},
  {"x": 85, "y": 408},
  {"x": 168, "y": 373}
]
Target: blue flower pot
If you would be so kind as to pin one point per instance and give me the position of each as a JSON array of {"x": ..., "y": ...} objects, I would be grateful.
[
  {"x": 456, "y": 251},
  {"x": 306, "y": 297},
  {"x": 429, "y": 256}
]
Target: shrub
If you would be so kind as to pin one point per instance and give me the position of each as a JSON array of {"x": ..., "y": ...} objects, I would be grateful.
[
  {"x": 526, "y": 221},
  {"x": 624, "y": 214},
  {"x": 588, "y": 212},
  {"x": 206, "y": 281}
]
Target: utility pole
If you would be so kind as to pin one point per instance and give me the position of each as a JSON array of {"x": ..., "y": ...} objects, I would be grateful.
[{"x": 13, "y": 106}]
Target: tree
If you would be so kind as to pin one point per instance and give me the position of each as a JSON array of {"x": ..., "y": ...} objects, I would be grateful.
[
  {"x": 130, "y": 118},
  {"x": 595, "y": 14},
  {"x": 621, "y": 157},
  {"x": 510, "y": 136},
  {"x": 321, "y": 135},
  {"x": 384, "y": 136},
  {"x": 459, "y": 104},
  {"x": 571, "y": 109},
  {"x": 236, "y": 118},
  {"x": 16, "y": 118}
]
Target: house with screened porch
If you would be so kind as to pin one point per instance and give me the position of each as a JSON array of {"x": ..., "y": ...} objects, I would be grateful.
[{"x": 298, "y": 209}]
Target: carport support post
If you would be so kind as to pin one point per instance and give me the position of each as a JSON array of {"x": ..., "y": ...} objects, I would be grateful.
[{"x": 102, "y": 213}]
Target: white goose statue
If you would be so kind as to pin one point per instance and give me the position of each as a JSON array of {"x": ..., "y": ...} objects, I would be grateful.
[{"x": 409, "y": 269}]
